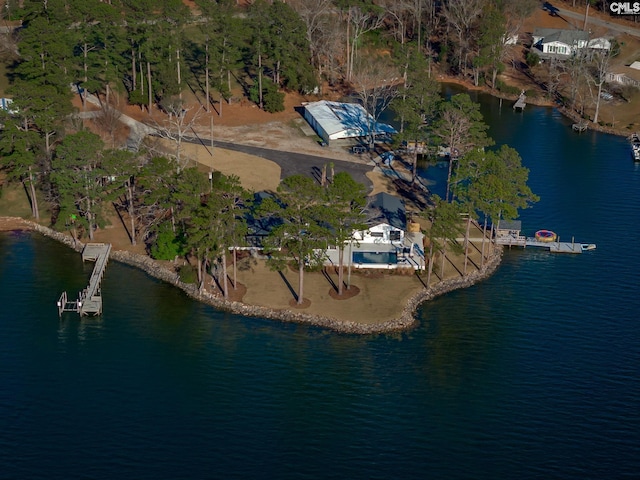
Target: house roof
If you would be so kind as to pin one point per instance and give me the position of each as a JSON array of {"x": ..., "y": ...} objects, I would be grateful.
[
  {"x": 568, "y": 37},
  {"x": 258, "y": 225},
  {"x": 386, "y": 208},
  {"x": 509, "y": 225},
  {"x": 343, "y": 120},
  {"x": 628, "y": 72}
]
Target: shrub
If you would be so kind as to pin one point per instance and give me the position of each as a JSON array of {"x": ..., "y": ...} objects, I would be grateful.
[
  {"x": 272, "y": 99},
  {"x": 168, "y": 245},
  {"x": 136, "y": 97},
  {"x": 188, "y": 274},
  {"x": 532, "y": 59},
  {"x": 504, "y": 88}
]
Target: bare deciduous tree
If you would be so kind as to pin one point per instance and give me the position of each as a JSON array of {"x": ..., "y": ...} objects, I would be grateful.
[
  {"x": 461, "y": 15},
  {"x": 176, "y": 128},
  {"x": 374, "y": 83},
  {"x": 360, "y": 22},
  {"x": 314, "y": 14},
  {"x": 600, "y": 65}
]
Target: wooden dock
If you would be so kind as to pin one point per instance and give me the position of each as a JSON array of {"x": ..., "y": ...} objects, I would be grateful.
[
  {"x": 580, "y": 126},
  {"x": 507, "y": 233},
  {"x": 553, "y": 247},
  {"x": 90, "y": 299},
  {"x": 521, "y": 102}
]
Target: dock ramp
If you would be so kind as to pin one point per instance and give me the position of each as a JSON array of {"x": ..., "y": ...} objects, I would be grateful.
[{"x": 89, "y": 301}]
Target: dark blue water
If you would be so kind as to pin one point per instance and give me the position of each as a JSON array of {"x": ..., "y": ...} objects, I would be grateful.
[
  {"x": 371, "y": 257},
  {"x": 531, "y": 374}
]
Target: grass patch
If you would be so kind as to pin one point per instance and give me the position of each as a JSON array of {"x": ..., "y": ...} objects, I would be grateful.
[
  {"x": 188, "y": 274},
  {"x": 14, "y": 201}
]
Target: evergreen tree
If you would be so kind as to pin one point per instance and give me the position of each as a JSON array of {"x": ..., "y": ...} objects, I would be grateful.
[
  {"x": 300, "y": 235},
  {"x": 19, "y": 152},
  {"x": 461, "y": 128},
  {"x": 344, "y": 213},
  {"x": 79, "y": 180}
]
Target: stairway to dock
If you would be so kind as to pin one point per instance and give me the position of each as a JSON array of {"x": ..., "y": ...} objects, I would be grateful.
[{"x": 90, "y": 299}]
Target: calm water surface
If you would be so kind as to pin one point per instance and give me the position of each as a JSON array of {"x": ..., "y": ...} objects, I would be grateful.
[{"x": 531, "y": 374}]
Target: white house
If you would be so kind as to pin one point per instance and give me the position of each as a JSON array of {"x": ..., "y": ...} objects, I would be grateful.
[
  {"x": 387, "y": 223},
  {"x": 335, "y": 120},
  {"x": 599, "y": 43},
  {"x": 563, "y": 43},
  {"x": 626, "y": 75}
]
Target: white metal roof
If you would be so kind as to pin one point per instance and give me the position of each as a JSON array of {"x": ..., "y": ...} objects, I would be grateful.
[{"x": 344, "y": 120}]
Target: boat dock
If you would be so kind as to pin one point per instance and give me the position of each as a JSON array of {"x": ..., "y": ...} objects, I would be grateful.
[
  {"x": 580, "y": 126},
  {"x": 90, "y": 299},
  {"x": 521, "y": 102},
  {"x": 507, "y": 233},
  {"x": 553, "y": 247}
]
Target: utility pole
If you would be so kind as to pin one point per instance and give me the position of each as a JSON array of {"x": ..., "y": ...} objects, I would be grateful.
[{"x": 586, "y": 16}]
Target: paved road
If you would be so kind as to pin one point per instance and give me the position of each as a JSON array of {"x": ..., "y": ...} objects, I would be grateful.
[
  {"x": 290, "y": 163},
  {"x": 296, "y": 163},
  {"x": 616, "y": 27}
]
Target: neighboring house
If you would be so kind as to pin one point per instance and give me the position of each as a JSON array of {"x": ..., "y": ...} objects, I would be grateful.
[
  {"x": 336, "y": 120},
  {"x": 564, "y": 43},
  {"x": 626, "y": 75}
]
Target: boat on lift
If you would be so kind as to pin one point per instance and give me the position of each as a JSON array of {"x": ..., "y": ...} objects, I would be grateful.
[{"x": 635, "y": 147}]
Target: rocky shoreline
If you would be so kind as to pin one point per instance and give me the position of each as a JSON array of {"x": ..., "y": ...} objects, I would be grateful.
[{"x": 406, "y": 320}]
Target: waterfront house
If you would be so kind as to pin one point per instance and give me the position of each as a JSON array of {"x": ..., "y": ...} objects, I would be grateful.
[
  {"x": 559, "y": 43},
  {"x": 386, "y": 242},
  {"x": 387, "y": 221}
]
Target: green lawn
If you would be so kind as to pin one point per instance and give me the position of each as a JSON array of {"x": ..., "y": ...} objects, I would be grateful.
[{"x": 15, "y": 203}]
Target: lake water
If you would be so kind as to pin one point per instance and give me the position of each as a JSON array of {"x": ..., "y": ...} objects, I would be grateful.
[{"x": 531, "y": 374}]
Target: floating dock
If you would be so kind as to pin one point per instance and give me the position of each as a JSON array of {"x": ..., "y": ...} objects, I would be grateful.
[{"x": 90, "y": 299}]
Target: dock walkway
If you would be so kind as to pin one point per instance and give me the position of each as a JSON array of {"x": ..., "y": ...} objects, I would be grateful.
[
  {"x": 521, "y": 102},
  {"x": 554, "y": 247},
  {"x": 90, "y": 299}
]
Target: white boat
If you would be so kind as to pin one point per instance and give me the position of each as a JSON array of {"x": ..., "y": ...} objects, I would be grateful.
[
  {"x": 635, "y": 147},
  {"x": 588, "y": 246}
]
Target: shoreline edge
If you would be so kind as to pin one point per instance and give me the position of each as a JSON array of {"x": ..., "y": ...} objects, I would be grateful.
[{"x": 405, "y": 321}]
